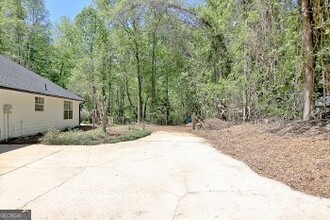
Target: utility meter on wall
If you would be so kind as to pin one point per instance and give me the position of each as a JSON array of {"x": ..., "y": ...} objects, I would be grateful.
[{"x": 7, "y": 109}]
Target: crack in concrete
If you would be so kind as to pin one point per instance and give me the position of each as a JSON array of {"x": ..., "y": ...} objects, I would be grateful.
[
  {"x": 41, "y": 158},
  {"x": 187, "y": 193},
  {"x": 149, "y": 158},
  {"x": 229, "y": 191},
  {"x": 177, "y": 204},
  {"x": 55, "y": 187},
  {"x": 61, "y": 184},
  {"x": 56, "y": 168},
  {"x": 181, "y": 197}
]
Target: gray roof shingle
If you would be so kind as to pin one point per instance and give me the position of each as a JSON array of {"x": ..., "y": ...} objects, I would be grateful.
[{"x": 16, "y": 77}]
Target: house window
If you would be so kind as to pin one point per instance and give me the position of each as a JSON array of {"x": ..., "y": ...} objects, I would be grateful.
[
  {"x": 39, "y": 104},
  {"x": 68, "y": 110}
]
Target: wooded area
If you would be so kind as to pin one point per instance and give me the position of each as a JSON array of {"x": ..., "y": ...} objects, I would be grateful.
[{"x": 159, "y": 61}]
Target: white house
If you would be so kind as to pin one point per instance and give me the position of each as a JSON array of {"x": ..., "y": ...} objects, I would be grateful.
[{"x": 30, "y": 104}]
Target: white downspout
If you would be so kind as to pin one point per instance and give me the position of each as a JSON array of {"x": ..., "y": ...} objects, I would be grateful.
[
  {"x": 7, "y": 126},
  {"x": 4, "y": 125},
  {"x": 6, "y": 110}
]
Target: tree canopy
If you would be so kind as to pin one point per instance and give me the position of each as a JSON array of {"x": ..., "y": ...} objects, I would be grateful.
[{"x": 161, "y": 61}]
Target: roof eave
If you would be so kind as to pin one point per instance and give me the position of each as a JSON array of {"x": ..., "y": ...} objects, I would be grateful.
[{"x": 39, "y": 93}]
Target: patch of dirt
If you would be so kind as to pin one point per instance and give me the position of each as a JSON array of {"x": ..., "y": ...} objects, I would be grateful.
[
  {"x": 32, "y": 139},
  {"x": 216, "y": 124},
  {"x": 179, "y": 129},
  {"x": 116, "y": 132},
  {"x": 295, "y": 153},
  {"x": 149, "y": 127},
  {"x": 84, "y": 127},
  {"x": 320, "y": 128}
]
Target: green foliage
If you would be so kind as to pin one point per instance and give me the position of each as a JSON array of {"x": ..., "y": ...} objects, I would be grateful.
[
  {"x": 262, "y": 45},
  {"x": 159, "y": 61},
  {"x": 94, "y": 137},
  {"x": 25, "y": 33}
]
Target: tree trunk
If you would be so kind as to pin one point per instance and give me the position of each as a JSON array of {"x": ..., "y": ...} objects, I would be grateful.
[
  {"x": 167, "y": 100},
  {"x": 94, "y": 107},
  {"x": 145, "y": 108},
  {"x": 153, "y": 73},
  {"x": 94, "y": 115},
  {"x": 122, "y": 104},
  {"x": 140, "y": 100},
  {"x": 245, "y": 71},
  {"x": 129, "y": 96},
  {"x": 61, "y": 79},
  {"x": 110, "y": 99},
  {"x": 104, "y": 103},
  {"x": 309, "y": 54},
  {"x": 139, "y": 79}
]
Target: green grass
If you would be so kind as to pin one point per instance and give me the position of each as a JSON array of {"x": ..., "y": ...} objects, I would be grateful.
[{"x": 93, "y": 137}]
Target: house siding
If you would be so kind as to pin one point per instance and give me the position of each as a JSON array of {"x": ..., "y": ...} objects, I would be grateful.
[{"x": 24, "y": 120}]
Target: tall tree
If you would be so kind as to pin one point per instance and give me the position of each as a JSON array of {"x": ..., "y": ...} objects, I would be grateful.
[
  {"x": 309, "y": 59},
  {"x": 38, "y": 37},
  {"x": 160, "y": 61},
  {"x": 94, "y": 63},
  {"x": 65, "y": 49},
  {"x": 13, "y": 28}
]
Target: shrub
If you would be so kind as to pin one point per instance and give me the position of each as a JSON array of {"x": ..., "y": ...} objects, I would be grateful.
[
  {"x": 93, "y": 137},
  {"x": 51, "y": 137}
]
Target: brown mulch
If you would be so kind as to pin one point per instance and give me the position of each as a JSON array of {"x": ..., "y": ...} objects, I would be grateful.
[
  {"x": 27, "y": 140},
  {"x": 295, "y": 153}
]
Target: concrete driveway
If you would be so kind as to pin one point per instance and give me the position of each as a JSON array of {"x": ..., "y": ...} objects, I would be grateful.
[{"x": 163, "y": 176}]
